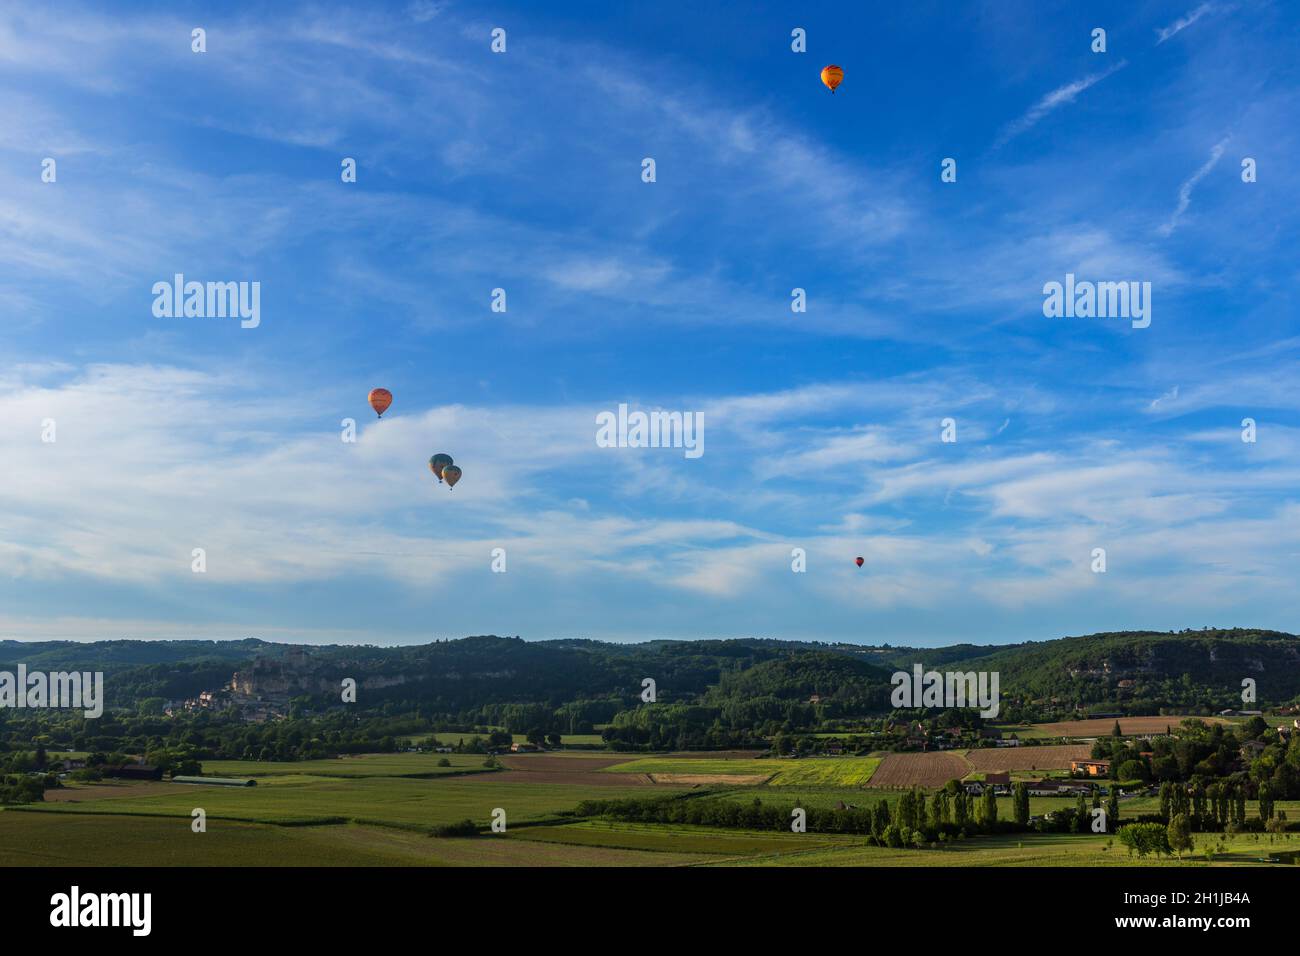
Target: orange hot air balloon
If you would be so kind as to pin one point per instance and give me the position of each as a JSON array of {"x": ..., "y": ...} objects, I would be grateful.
[
  {"x": 451, "y": 475},
  {"x": 380, "y": 399},
  {"x": 858, "y": 562},
  {"x": 832, "y": 76}
]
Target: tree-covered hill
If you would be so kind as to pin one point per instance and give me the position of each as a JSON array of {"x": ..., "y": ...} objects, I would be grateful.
[
  {"x": 1144, "y": 670},
  {"x": 1135, "y": 672}
]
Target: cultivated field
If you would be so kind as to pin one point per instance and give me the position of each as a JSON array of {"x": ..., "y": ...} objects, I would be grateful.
[
  {"x": 109, "y": 789},
  {"x": 359, "y": 765},
  {"x": 563, "y": 762},
  {"x": 740, "y": 771},
  {"x": 808, "y": 771},
  {"x": 1102, "y": 726},
  {"x": 416, "y": 804},
  {"x": 381, "y": 810},
  {"x": 1056, "y": 757},
  {"x": 925, "y": 770},
  {"x": 576, "y": 769}
]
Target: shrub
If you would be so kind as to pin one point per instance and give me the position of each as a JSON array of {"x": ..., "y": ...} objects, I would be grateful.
[
  {"x": 1145, "y": 838},
  {"x": 465, "y": 828}
]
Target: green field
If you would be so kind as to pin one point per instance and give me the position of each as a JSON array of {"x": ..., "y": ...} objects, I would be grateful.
[
  {"x": 300, "y": 799},
  {"x": 811, "y": 771},
  {"x": 39, "y": 839},
  {"x": 667, "y": 838},
  {"x": 100, "y": 839},
  {"x": 697, "y": 766},
  {"x": 364, "y": 765},
  {"x": 381, "y": 810},
  {"x": 47, "y": 839},
  {"x": 1026, "y": 850}
]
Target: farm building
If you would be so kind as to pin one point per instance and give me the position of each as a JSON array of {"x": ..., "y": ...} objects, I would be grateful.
[
  {"x": 524, "y": 748},
  {"x": 999, "y": 781},
  {"x": 1045, "y": 788},
  {"x": 1058, "y": 788},
  {"x": 1093, "y": 768},
  {"x": 217, "y": 781},
  {"x": 1252, "y": 749}
]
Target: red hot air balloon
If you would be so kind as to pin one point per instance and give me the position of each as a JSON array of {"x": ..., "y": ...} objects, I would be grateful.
[
  {"x": 858, "y": 562},
  {"x": 380, "y": 399}
]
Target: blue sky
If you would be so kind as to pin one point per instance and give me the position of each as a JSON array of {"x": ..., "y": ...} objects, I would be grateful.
[{"x": 522, "y": 171}]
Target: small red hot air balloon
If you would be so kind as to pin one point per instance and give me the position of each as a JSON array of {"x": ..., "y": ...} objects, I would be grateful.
[
  {"x": 858, "y": 562},
  {"x": 380, "y": 399},
  {"x": 832, "y": 76}
]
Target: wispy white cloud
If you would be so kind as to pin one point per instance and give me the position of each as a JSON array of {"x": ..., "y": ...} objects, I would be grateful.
[
  {"x": 1185, "y": 190},
  {"x": 465, "y": 186},
  {"x": 1169, "y": 396},
  {"x": 151, "y": 462},
  {"x": 1182, "y": 23},
  {"x": 1052, "y": 101}
]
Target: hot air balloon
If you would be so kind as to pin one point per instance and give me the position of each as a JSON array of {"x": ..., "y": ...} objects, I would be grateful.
[
  {"x": 452, "y": 474},
  {"x": 832, "y": 76},
  {"x": 858, "y": 562},
  {"x": 438, "y": 463},
  {"x": 380, "y": 399}
]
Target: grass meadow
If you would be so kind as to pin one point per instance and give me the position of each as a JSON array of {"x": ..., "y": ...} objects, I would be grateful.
[
  {"x": 381, "y": 810},
  {"x": 810, "y": 771}
]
